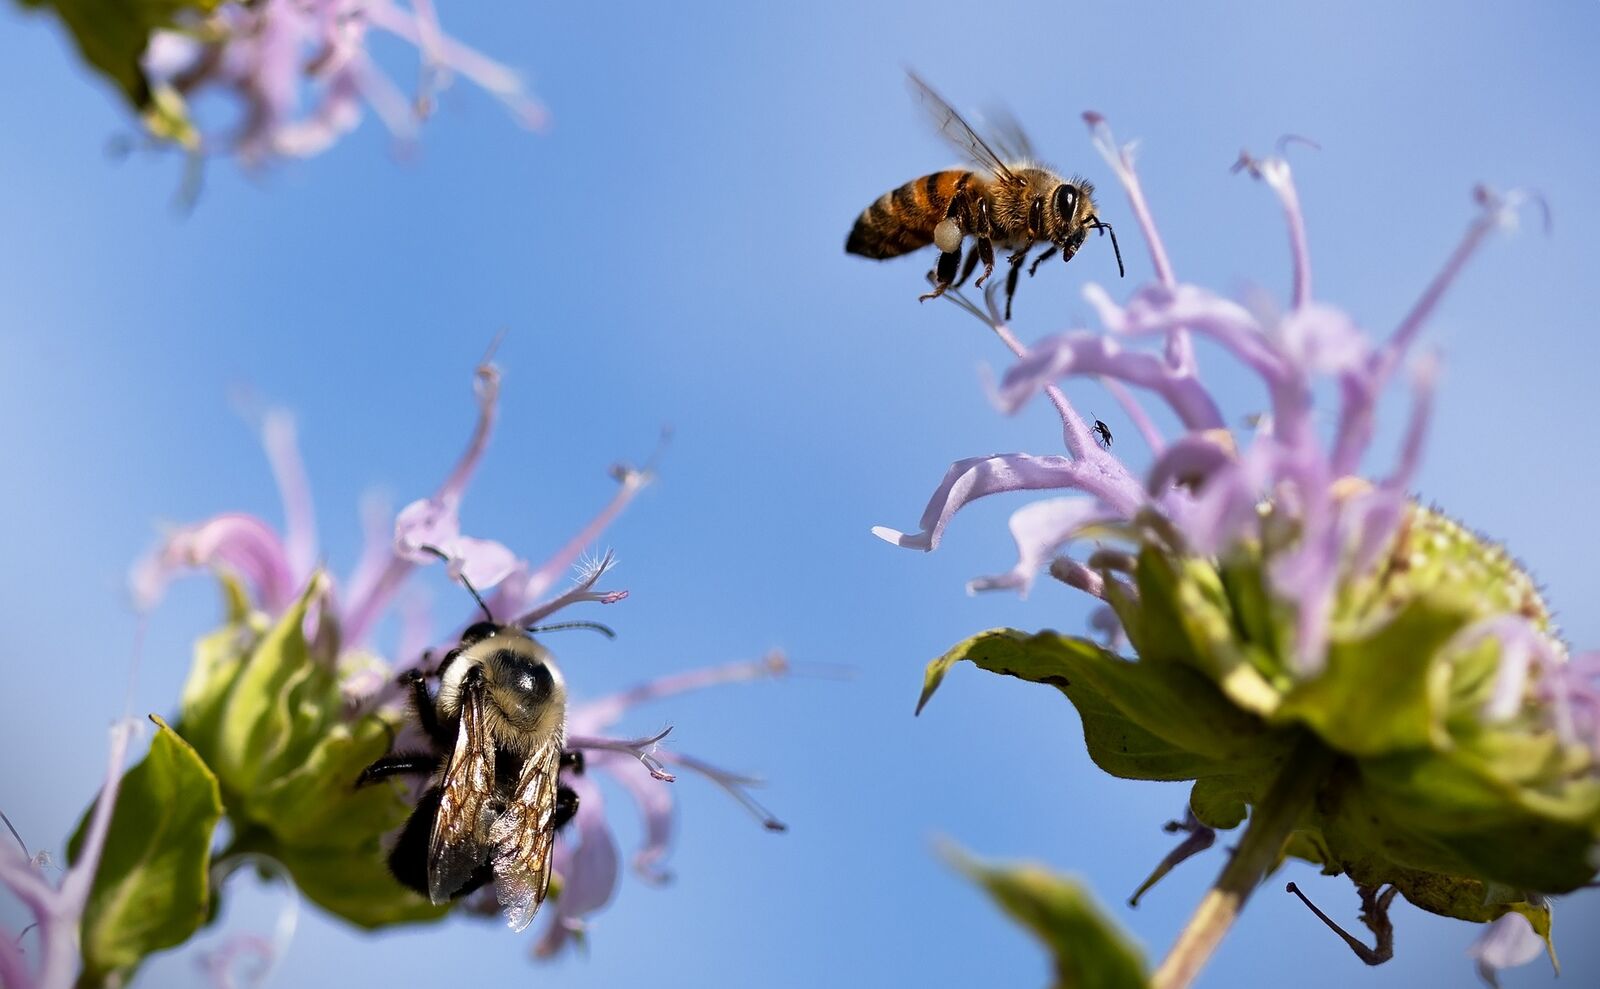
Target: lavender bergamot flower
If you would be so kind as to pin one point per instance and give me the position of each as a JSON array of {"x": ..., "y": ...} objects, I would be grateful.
[
  {"x": 1378, "y": 687},
  {"x": 295, "y": 694}
]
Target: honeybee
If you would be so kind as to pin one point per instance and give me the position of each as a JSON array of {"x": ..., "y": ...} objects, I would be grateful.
[
  {"x": 495, "y": 803},
  {"x": 1014, "y": 202}
]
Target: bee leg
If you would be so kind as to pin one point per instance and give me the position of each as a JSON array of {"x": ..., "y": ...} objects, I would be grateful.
[
  {"x": 943, "y": 275},
  {"x": 1011, "y": 277},
  {"x": 566, "y": 807},
  {"x": 967, "y": 269},
  {"x": 986, "y": 253},
  {"x": 398, "y": 764},
  {"x": 1041, "y": 259},
  {"x": 422, "y": 701},
  {"x": 573, "y": 760}
]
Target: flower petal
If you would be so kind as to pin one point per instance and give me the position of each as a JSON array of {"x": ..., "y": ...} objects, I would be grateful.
[
  {"x": 588, "y": 867},
  {"x": 1040, "y": 529},
  {"x": 1506, "y": 943},
  {"x": 242, "y": 544},
  {"x": 978, "y": 477}
]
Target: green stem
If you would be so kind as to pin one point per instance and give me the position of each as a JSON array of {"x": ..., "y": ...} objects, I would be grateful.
[{"x": 1272, "y": 820}]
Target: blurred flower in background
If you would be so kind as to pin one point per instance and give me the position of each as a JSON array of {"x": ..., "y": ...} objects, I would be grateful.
[{"x": 295, "y": 75}]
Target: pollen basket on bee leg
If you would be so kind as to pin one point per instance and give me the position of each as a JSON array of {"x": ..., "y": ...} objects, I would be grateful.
[{"x": 947, "y": 235}]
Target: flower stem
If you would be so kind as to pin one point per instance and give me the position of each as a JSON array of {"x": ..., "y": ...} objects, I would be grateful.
[{"x": 1271, "y": 822}]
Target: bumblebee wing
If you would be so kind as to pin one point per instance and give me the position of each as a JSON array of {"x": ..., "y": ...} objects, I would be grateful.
[
  {"x": 523, "y": 837},
  {"x": 460, "y": 843},
  {"x": 958, "y": 132},
  {"x": 1007, "y": 135}
]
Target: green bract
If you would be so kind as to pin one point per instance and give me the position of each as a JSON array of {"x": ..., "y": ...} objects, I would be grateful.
[
  {"x": 270, "y": 720},
  {"x": 1468, "y": 816},
  {"x": 150, "y": 890}
]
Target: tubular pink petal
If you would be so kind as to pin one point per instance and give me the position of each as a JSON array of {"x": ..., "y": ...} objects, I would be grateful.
[
  {"x": 1040, "y": 529},
  {"x": 288, "y": 470},
  {"x": 655, "y": 807},
  {"x": 1191, "y": 461},
  {"x": 630, "y": 483},
  {"x": 1074, "y": 574},
  {"x": 242, "y": 544},
  {"x": 978, "y": 477},
  {"x": 1120, "y": 158},
  {"x": 592, "y": 717},
  {"x": 734, "y": 785},
  {"x": 1356, "y": 414},
  {"x": 1275, "y": 172},
  {"x": 486, "y": 385},
  {"x": 482, "y": 70},
  {"x": 1082, "y": 353},
  {"x": 13, "y": 968}
]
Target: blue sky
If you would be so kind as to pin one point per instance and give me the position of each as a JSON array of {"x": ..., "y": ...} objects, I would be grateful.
[{"x": 670, "y": 253}]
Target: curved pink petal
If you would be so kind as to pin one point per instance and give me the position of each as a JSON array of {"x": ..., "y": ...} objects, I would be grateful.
[
  {"x": 978, "y": 477},
  {"x": 1091, "y": 354},
  {"x": 654, "y": 800},
  {"x": 1040, "y": 529},
  {"x": 239, "y": 543},
  {"x": 1508, "y": 942},
  {"x": 1191, "y": 461},
  {"x": 588, "y": 867},
  {"x": 289, "y": 471}
]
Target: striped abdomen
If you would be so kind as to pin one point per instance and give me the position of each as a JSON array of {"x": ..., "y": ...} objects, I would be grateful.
[{"x": 903, "y": 220}]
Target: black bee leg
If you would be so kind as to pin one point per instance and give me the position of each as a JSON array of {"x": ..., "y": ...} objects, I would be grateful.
[
  {"x": 398, "y": 764},
  {"x": 1011, "y": 278},
  {"x": 573, "y": 761},
  {"x": 566, "y": 807},
  {"x": 1041, "y": 259},
  {"x": 943, "y": 275},
  {"x": 967, "y": 269},
  {"x": 427, "y": 717},
  {"x": 986, "y": 253}
]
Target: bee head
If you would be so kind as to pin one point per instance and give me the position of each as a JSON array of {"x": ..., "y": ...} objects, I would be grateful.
[
  {"x": 1075, "y": 216},
  {"x": 521, "y": 682}
]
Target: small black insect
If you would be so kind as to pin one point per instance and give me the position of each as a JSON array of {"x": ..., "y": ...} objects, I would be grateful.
[{"x": 1102, "y": 433}]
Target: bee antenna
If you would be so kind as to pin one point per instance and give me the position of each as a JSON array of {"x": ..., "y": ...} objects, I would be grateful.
[
  {"x": 1105, "y": 228},
  {"x": 604, "y": 630},
  {"x": 441, "y": 554}
]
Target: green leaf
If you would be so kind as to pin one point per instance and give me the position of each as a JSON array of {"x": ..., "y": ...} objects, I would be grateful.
[
  {"x": 1141, "y": 720},
  {"x": 1219, "y": 801},
  {"x": 318, "y": 806},
  {"x": 218, "y": 658},
  {"x": 112, "y": 35},
  {"x": 150, "y": 890},
  {"x": 1385, "y": 692},
  {"x": 1089, "y": 950}
]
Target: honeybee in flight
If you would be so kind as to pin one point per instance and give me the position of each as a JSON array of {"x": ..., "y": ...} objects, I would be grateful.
[{"x": 1013, "y": 202}]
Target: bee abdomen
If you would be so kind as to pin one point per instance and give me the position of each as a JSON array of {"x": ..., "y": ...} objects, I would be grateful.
[{"x": 903, "y": 219}]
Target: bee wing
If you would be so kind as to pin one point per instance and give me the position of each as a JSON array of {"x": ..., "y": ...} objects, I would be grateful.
[
  {"x": 461, "y": 841},
  {"x": 958, "y": 132},
  {"x": 1007, "y": 135},
  {"x": 523, "y": 837}
]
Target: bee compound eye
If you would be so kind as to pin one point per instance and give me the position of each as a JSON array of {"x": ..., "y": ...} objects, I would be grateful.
[{"x": 1066, "y": 199}]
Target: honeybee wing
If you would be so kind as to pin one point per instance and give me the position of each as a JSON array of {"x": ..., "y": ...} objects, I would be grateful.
[
  {"x": 461, "y": 840},
  {"x": 1007, "y": 135},
  {"x": 523, "y": 838},
  {"x": 958, "y": 132}
]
